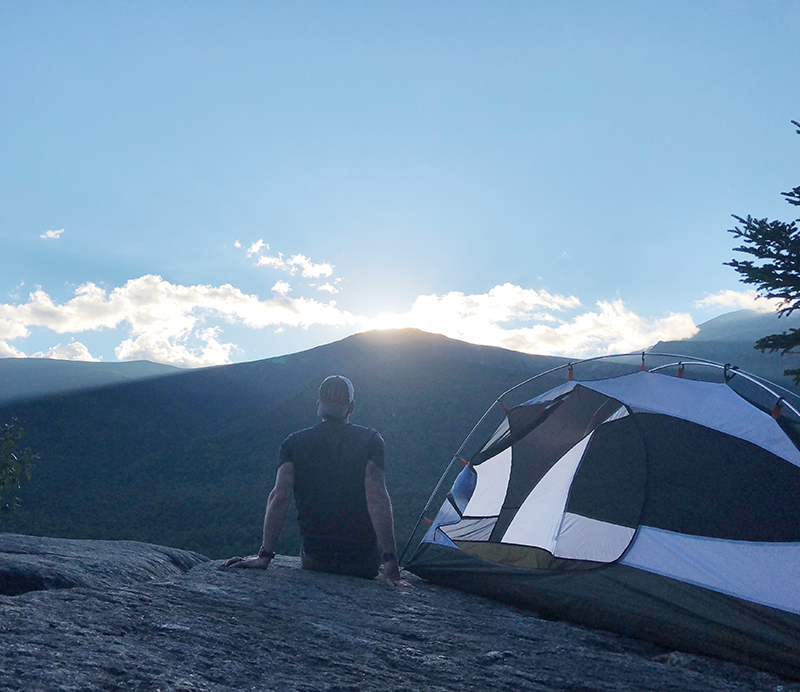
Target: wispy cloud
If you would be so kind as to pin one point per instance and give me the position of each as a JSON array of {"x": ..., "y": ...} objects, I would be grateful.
[
  {"x": 295, "y": 263},
  {"x": 52, "y": 234},
  {"x": 14, "y": 293},
  {"x": 292, "y": 264}
]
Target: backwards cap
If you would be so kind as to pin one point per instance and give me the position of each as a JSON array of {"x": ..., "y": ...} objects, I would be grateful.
[{"x": 335, "y": 396}]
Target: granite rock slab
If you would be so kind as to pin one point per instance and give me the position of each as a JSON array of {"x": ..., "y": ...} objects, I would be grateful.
[{"x": 140, "y": 617}]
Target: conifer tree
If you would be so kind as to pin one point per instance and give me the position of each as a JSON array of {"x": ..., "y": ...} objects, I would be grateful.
[
  {"x": 15, "y": 464},
  {"x": 775, "y": 271}
]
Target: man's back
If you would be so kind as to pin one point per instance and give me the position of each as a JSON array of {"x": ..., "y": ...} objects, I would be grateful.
[{"x": 330, "y": 460}]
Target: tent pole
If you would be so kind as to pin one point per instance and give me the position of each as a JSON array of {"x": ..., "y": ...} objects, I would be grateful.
[
  {"x": 427, "y": 505},
  {"x": 455, "y": 458}
]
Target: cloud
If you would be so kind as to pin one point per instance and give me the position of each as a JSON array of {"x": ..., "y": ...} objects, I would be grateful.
[
  {"x": 308, "y": 269},
  {"x": 471, "y": 314},
  {"x": 255, "y": 248},
  {"x": 535, "y": 322},
  {"x": 8, "y": 351},
  {"x": 74, "y": 350},
  {"x": 292, "y": 265},
  {"x": 611, "y": 328},
  {"x": 12, "y": 329},
  {"x": 166, "y": 322},
  {"x": 52, "y": 234},
  {"x": 327, "y": 287},
  {"x": 183, "y": 325},
  {"x": 748, "y": 299},
  {"x": 14, "y": 293},
  {"x": 237, "y": 244},
  {"x": 202, "y": 349}
]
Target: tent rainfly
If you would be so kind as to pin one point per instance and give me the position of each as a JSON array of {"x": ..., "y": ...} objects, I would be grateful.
[{"x": 661, "y": 508}]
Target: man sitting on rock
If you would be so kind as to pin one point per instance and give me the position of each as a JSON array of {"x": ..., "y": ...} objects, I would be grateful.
[{"x": 336, "y": 472}]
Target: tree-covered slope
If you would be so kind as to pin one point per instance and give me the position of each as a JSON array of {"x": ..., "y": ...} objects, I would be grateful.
[{"x": 188, "y": 460}]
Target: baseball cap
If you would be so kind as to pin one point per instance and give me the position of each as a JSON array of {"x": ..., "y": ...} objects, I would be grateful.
[{"x": 336, "y": 393}]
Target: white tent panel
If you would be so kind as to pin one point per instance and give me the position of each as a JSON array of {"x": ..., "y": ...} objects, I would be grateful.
[
  {"x": 621, "y": 412},
  {"x": 714, "y": 405},
  {"x": 471, "y": 529},
  {"x": 538, "y": 519},
  {"x": 436, "y": 535},
  {"x": 491, "y": 486},
  {"x": 765, "y": 573},
  {"x": 446, "y": 516},
  {"x": 582, "y": 538}
]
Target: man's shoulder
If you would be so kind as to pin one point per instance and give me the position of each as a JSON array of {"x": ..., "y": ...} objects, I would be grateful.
[
  {"x": 355, "y": 431},
  {"x": 301, "y": 434},
  {"x": 362, "y": 430}
]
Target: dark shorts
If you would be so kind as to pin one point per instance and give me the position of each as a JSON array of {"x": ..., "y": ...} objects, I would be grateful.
[{"x": 364, "y": 562}]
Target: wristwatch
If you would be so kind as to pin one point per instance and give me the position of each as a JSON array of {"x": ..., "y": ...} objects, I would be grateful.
[
  {"x": 389, "y": 556},
  {"x": 265, "y": 553}
]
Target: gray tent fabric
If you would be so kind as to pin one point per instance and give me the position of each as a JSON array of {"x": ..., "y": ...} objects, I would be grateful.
[{"x": 662, "y": 508}]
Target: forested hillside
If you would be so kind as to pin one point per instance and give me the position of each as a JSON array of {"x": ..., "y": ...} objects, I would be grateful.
[{"x": 188, "y": 460}]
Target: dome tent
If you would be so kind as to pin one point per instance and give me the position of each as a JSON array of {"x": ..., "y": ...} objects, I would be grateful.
[{"x": 660, "y": 507}]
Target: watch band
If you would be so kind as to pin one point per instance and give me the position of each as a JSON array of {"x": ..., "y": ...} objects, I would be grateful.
[{"x": 265, "y": 553}]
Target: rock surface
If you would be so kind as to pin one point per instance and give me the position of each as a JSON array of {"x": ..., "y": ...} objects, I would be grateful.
[
  {"x": 135, "y": 616},
  {"x": 29, "y": 563}
]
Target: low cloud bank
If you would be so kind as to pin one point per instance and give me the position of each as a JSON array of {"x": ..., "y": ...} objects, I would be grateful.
[
  {"x": 539, "y": 322},
  {"x": 166, "y": 323},
  {"x": 739, "y": 300},
  {"x": 184, "y": 325}
]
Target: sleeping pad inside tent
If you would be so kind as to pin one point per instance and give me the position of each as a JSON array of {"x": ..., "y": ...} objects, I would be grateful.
[{"x": 661, "y": 508}]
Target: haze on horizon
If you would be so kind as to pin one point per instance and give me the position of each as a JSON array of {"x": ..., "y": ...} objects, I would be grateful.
[{"x": 201, "y": 184}]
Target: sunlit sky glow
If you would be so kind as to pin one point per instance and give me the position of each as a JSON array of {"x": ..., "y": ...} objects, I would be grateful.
[{"x": 201, "y": 183}]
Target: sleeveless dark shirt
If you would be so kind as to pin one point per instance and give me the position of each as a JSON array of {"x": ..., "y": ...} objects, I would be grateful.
[{"x": 330, "y": 460}]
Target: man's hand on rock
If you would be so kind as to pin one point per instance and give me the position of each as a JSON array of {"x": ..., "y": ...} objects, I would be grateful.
[
  {"x": 248, "y": 562},
  {"x": 391, "y": 574}
]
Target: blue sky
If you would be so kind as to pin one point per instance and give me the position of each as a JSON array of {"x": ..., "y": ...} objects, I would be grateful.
[{"x": 198, "y": 183}]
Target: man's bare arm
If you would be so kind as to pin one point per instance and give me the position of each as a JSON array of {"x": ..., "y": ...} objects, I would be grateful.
[
  {"x": 274, "y": 518},
  {"x": 277, "y": 506},
  {"x": 379, "y": 505}
]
